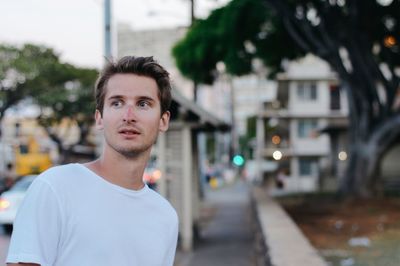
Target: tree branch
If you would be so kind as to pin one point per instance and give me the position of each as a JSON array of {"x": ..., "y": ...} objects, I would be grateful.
[{"x": 283, "y": 11}]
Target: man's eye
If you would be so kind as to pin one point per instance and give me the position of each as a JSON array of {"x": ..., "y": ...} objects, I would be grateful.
[
  {"x": 144, "y": 104},
  {"x": 116, "y": 103}
]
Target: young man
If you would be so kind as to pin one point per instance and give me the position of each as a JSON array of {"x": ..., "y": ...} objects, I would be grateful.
[{"x": 101, "y": 213}]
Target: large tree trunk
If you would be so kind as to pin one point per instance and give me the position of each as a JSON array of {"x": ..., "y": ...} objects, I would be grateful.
[
  {"x": 64, "y": 151},
  {"x": 354, "y": 182},
  {"x": 374, "y": 121},
  {"x": 363, "y": 175},
  {"x": 59, "y": 144}
]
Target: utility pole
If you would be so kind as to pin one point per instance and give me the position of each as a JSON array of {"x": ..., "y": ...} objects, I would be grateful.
[
  {"x": 192, "y": 19},
  {"x": 234, "y": 148},
  {"x": 192, "y": 15},
  {"x": 107, "y": 30}
]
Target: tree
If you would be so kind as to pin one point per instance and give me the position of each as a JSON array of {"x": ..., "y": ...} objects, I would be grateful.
[
  {"x": 19, "y": 68},
  {"x": 67, "y": 106},
  {"x": 359, "y": 39},
  {"x": 63, "y": 91}
]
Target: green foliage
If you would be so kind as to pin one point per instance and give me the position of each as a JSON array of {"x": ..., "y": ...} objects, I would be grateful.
[
  {"x": 211, "y": 147},
  {"x": 71, "y": 95},
  {"x": 360, "y": 40},
  {"x": 251, "y": 127},
  {"x": 60, "y": 89},
  {"x": 199, "y": 52},
  {"x": 245, "y": 147},
  {"x": 22, "y": 71},
  {"x": 235, "y": 35},
  {"x": 275, "y": 30}
]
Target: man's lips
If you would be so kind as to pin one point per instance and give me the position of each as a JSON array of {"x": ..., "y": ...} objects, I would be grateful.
[{"x": 128, "y": 131}]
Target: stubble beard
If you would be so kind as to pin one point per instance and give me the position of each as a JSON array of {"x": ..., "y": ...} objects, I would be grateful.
[{"x": 132, "y": 152}]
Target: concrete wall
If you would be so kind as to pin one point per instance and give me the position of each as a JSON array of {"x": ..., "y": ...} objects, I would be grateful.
[{"x": 285, "y": 244}]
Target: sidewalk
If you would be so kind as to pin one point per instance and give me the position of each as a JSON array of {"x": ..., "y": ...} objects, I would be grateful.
[
  {"x": 227, "y": 237},
  {"x": 232, "y": 234}
]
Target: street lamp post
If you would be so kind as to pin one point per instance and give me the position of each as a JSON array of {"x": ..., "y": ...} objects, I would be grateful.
[{"x": 107, "y": 30}]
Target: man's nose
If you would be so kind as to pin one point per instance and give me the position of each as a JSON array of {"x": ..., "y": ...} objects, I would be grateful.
[{"x": 129, "y": 114}]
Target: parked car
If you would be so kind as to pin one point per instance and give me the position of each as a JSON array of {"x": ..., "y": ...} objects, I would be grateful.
[{"x": 11, "y": 199}]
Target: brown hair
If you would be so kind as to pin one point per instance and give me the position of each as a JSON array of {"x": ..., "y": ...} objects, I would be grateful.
[{"x": 141, "y": 66}]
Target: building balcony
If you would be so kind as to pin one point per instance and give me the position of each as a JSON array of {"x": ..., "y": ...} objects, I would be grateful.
[
  {"x": 270, "y": 152},
  {"x": 293, "y": 114}
]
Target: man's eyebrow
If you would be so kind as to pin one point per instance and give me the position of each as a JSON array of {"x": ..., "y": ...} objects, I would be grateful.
[
  {"x": 139, "y": 98},
  {"x": 115, "y": 97},
  {"x": 147, "y": 98}
]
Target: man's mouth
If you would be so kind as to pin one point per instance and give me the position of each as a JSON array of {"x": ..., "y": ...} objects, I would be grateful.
[{"x": 130, "y": 132}]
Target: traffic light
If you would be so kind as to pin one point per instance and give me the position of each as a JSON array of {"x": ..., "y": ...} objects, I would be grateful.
[{"x": 238, "y": 160}]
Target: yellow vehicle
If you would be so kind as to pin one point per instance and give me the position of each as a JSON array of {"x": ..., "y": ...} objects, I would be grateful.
[{"x": 29, "y": 159}]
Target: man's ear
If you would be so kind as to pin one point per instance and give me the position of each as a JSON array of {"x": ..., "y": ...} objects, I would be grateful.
[
  {"x": 99, "y": 119},
  {"x": 164, "y": 121}
]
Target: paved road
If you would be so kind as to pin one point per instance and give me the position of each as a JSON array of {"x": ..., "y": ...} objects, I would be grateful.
[
  {"x": 4, "y": 241},
  {"x": 227, "y": 238}
]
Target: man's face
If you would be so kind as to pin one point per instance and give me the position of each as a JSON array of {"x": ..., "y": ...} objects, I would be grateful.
[{"x": 131, "y": 115}]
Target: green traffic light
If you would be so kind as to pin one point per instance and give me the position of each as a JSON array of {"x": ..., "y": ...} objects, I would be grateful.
[{"x": 238, "y": 160}]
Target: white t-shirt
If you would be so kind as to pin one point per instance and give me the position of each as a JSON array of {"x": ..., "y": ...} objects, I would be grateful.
[{"x": 73, "y": 217}]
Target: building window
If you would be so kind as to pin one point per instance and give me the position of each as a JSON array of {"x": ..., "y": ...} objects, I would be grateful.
[
  {"x": 335, "y": 97},
  {"x": 307, "y": 91},
  {"x": 308, "y": 166},
  {"x": 307, "y": 128},
  {"x": 23, "y": 149}
]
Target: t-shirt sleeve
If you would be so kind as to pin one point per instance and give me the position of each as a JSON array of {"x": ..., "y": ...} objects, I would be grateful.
[{"x": 37, "y": 227}]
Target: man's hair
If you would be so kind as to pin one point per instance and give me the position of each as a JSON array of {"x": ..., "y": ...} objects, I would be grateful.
[{"x": 141, "y": 66}]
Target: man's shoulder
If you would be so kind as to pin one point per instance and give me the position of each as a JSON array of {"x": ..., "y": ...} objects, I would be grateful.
[
  {"x": 163, "y": 203},
  {"x": 59, "y": 170},
  {"x": 59, "y": 174}
]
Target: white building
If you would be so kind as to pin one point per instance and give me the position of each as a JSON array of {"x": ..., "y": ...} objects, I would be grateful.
[
  {"x": 249, "y": 94},
  {"x": 308, "y": 99},
  {"x": 157, "y": 43}
]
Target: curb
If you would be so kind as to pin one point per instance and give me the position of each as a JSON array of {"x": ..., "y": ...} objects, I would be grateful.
[{"x": 285, "y": 244}]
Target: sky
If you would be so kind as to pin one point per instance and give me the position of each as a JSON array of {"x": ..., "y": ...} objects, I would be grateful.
[{"x": 74, "y": 28}]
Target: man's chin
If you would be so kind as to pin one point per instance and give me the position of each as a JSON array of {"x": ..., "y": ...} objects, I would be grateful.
[
  {"x": 130, "y": 150},
  {"x": 132, "y": 153}
]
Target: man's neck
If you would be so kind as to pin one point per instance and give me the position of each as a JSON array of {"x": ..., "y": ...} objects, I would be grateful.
[{"x": 121, "y": 171}]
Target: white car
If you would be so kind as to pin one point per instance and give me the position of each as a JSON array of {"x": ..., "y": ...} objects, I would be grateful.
[{"x": 11, "y": 199}]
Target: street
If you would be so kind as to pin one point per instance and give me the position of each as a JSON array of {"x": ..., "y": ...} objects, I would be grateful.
[{"x": 4, "y": 241}]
